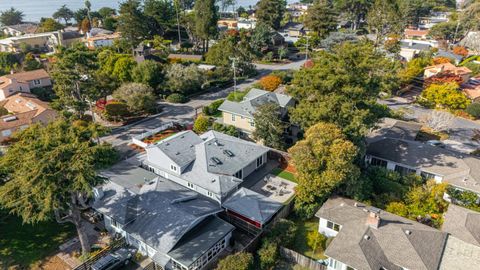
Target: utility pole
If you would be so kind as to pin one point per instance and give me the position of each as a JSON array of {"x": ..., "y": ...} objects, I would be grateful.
[
  {"x": 234, "y": 66},
  {"x": 306, "y": 50}
]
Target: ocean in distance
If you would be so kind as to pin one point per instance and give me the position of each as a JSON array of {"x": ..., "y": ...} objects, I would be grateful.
[{"x": 36, "y": 9}]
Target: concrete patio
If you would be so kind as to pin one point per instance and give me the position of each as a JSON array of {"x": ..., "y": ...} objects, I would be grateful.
[{"x": 275, "y": 188}]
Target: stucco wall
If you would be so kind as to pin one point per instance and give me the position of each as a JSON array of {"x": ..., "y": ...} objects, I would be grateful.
[{"x": 243, "y": 124}]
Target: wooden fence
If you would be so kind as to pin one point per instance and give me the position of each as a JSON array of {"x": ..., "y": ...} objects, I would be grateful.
[{"x": 295, "y": 257}]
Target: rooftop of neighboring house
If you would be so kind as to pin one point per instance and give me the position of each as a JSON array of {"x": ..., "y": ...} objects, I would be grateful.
[
  {"x": 23, "y": 108},
  {"x": 255, "y": 98},
  {"x": 386, "y": 240},
  {"x": 472, "y": 87},
  {"x": 165, "y": 215},
  {"x": 394, "y": 128},
  {"x": 471, "y": 41},
  {"x": 253, "y": 205},
  {"x": 25, "y": 28},
  {"x": 99, "y": 31},
  {"x": 458, "y": 170},
  {"x": 104, "y": 36},
  {"x": 448, "y": 67},
  {"x": 26, "y": 76},
  {"x": 208, "y": 160},
  {"x": 413, "y": 45},
  {"x": 416, "y": 32},
  {"x": 190, "y": 57},
  {"x": 71, "y": 34},
  {"x": 371, "y": 238},
  {"x": 449, "y": 55},
  {"x": 462, "y": 223}
]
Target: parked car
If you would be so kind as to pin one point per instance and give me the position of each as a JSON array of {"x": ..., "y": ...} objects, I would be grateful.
[
  {"x": 114, "y": 260},
  {"x": 436, "y": 143}
]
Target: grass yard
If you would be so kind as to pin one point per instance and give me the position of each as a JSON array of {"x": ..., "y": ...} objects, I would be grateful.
[
  {"x": 284, "y": 174},
  {"x": 24, "y": 244},
  {"x": 300, "y": 246}
]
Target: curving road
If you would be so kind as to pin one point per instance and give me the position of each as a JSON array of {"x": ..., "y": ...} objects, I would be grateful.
[{"x": 184, "y": 113}]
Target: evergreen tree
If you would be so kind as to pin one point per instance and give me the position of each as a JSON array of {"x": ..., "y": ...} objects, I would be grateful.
[
  {"x": 270, "y": 12},
  {"x": 132, "y": 22},
  {"x": 385, "y": 18},
  {"x": 11, "y": 16},
  {"x": 269, "y": 126},
  {"x": 63, "y": 13},
  {"x": 206, "y": 17},
  {"x": 321, "y": 18}
]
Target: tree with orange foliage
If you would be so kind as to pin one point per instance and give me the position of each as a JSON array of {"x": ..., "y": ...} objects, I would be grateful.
[
  {"x": 441, "y": 60},
  {"x": 270, "y": 82},
  {"x": 459, "y": 50},
  {"x": 443, "y": 78}
]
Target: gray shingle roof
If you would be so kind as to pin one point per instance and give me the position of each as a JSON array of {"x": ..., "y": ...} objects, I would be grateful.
[
  {"x": 254, "y": 99},
  {"x": 197, "y": 242},
  {"x": 457, "y": 170},
  {"x": 252, "y": 205},
  {"x": 415, "y": 46},
  {"x": 462, "y": 223},
  {"x": 26, "y": 28},
  {"x": 388, "y": 246},
  {"x": 460, "y": 255},
  {"x": 159, "y": 212},
  {"x": 393, "y": 128},
  {"x": 198, "y": 151}
]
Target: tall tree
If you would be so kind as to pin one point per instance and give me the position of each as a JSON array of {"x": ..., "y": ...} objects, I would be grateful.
[
  {"x": 49, "y": 25},
  {"x": 321, "y": 18},
  {"x": 269, "y": 126},
  {"x": 11, "y": 16},
  {"x": 63, "y": 13},
  {"x": 206, "y": 17},
  {"x": 107, "y": 12},
  {"x": 355, "y": 10},
  {"x": 50, "y": 172},
  {"x": 74, "y": 78},
  {"x": 346, "y": 97},
  {"x": 160, "y": 14},
  {"x": 131, "y": 22},
  {"x": 270, "y": 12},
  {"x": 385, "y": 18},
  {"x": 324, "y": 160}
]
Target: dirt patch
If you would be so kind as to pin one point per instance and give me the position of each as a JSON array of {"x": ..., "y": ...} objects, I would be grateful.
[{"x": 52, "y": 263}]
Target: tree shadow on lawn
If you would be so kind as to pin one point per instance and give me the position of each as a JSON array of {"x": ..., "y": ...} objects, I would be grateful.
[{"x": 24, "y": 244}]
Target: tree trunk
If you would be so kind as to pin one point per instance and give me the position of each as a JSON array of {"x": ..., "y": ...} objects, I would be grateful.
[{"x": 79, "y": 225}]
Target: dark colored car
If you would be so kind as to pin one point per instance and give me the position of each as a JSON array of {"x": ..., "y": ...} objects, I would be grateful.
[{"x": 114, "y": 260}]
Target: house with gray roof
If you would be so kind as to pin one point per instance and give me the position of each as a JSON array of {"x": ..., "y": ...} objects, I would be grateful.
[
  {"x": 173, "y": 225},
  {"x": 241, "y": 114},
  {"x": 404, "y": 156},
  {"x": 20, "y": 29},
  {"x": 367, "y": 238},
  {"x": 212, "y": 164},
  {"x": 462, "y": 223}
]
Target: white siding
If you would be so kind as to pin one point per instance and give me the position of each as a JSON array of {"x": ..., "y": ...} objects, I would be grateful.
[{"x": 323, "y": 229}]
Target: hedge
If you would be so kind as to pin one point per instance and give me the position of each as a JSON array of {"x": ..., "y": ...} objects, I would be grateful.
[{"x": 176, "y": 98}]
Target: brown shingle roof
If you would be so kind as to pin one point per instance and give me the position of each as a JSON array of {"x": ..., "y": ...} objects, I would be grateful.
[{"x": 29, "y": 75}]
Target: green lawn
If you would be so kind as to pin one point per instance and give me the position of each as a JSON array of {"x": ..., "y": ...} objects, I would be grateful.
[
  {"x": 284, "y": 174},
  {"x": 23, "y": 244},
  {"x": 300, "y": 246}
]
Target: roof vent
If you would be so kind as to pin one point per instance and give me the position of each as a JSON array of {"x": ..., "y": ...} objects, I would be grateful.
[
  {"x": 228, "y": 153},
  {"x": 31, "y": 105},
  {"x": 10, "y": 118},
  {"x": 216, "y": 160},
  {"x": 213, "y": 180},
  {"x": 182, "y": 136},
  {"x": 177, "y": 153},
  {"x": 366, "y": 237},
  {"x": 408, "y": 232}
]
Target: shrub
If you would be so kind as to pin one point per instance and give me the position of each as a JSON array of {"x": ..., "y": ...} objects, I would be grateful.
[
  {"x": 268, "y": 254},
  {"x": 44, "y": 94},
  {"x": 137, "y": 96},
  {"x": 176, "y": 98},
  {"x": 446, "y": 95},
  {"x": 283, "y": 232},
  {"x": 212, "y": 109},
  {"x": 3, "y": 111},
  {"x": 459, "y": 50},
  {"x": 441, "y": 60},
  {"x": 201, "y": 124},
  {"x": 236, "y": 96},
  {"x": 474, "y": 109},
  {"x": 229, "y": 130},
  {"x": 270, "y": 82},
  {"x": 116, "y": 110},
  {"x": 237, "y": 261},
  {"x": 285, "y": 76}
]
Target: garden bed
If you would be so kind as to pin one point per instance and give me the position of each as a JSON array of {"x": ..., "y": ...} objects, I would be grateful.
[{"x": 160, "y": 136}]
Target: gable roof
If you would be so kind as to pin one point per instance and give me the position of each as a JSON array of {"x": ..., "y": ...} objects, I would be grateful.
[
  {"x": 450, "y": 55},
  {"x": 460, "y": 255},
  {"x": 29, "y": 75},
  {"x": 254, "y": 99},
  {"x": 394, "y": 128},
  {"x": 208, "y": 164},
  {"x": 459, "y": 170},
  {"x": 252, "y": 205},
  {"x": 448, "y": 67},
  {"x": 462, "y": 223},
  {"x": 397, "y": 242},
  {"x": 25, "y": 28}
]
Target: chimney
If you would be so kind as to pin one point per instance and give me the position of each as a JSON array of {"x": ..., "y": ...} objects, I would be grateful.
[{"x": 373, "y": 220}]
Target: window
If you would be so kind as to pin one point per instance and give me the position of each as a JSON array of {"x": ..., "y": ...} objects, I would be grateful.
[
  {"x": 333, "y": 263},
  {"x": 233, "y": 117},
  {"x": 210, "y": 194},
  {"x": 333, "y": 226},
  {"x": 404, "y": 170},
  {"x": 239, "y": 174},
  {"x": 427, "y": 176},
  {"x": 378, "y": 162},
  {"x": 252, "y": 123},
  {"x": 259, "y": 161},
  {"x": 350, "y": 268},
  {"x": 173, "y": 168},
  {"x": 36, "y": 82},
  {"x": 190, "y": 185}
]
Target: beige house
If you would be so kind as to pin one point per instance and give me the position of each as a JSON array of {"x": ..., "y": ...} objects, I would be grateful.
[
  {"x": 241, "y": 114},
  {"x": 23, "y": 110},
  {"x": 463, "y": 72},
  {"x": 20, "y": 29},
  {"x": 23, "y": 82},
  {"x": 43, "y": 41}
]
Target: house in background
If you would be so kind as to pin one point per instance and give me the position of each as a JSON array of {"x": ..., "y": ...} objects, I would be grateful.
[
  {"x": 433, "y": 70},
  {"x": 23, "y": 82},
  {"x": 453, "y": 57},
  {"x": 410, "y": 48},
  {"x": 472, "y": 88},
  {"x": 20, "y": 29},
  {"x": 368, "y": 238},
  {"x": 462, "y": 223},
  {"x": 416, "y": 34},
  {"x": 241, "y": 114},
  {"x": 23, "y": 110},
  {"x": 98, "y": 38},
  {"x": 46, "y": 42}
]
